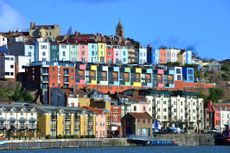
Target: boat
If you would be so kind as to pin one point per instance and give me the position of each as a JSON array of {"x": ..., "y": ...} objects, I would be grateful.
[
  {"x": 150, "y": 141},
  {"x": 224, "y": 138}
]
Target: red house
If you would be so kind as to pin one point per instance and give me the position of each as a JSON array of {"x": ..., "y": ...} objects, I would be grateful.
[
  {"x": 109, "y": 54},
  {"x": 115, "y": 116}
]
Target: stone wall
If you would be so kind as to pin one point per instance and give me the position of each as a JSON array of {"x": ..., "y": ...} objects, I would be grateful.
[{"x": 189, "y": 139}]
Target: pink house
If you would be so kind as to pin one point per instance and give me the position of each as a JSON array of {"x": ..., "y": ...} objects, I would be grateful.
[
  {"x": 83, "y": 52},
  {"x": 160, "y": 78},
  {"x": 101, "y": 122}
]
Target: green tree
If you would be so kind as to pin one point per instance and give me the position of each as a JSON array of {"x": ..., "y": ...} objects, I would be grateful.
[
  {"x": 225, "y": 68},
  {"x": 215, "y": 94},
  {"x": 20, "y": 95}
]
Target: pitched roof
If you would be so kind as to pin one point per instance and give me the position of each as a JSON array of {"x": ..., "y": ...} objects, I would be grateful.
[
  {"x": 141, "y": 115},
  {"x": 97, "y": 111}
]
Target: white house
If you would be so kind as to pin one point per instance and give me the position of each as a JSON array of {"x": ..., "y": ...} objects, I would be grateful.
[{"x": 7, "y": 67}]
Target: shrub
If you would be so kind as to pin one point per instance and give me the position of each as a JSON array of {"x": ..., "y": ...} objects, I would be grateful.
[{"x": 48, "y": 137}]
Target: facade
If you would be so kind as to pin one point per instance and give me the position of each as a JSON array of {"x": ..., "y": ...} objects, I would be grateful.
[
  {"x": 163, "y": 55},
  {"x": 115, "y": 116},
  {"x": 172, "y": 55},
  {"x": 101, "y": 53},
  {"x": 63, "y": 121},
  {"x": 124, "y": 55},
  {"x": 142, "y": 56},
  {"x": 116, "y": 55},
  {"x": 188, "y": 57},
  {"x": 109, "y": 54},
  {"x": 101, "y": 122},
  {"x": 178, "y": 73},
  {"x": 184, "y": 110},
  {"x": 18, "y": 120},
  {"x": 64, "y": 52},
  {"x": 182, "y": 57},
  {"x": 42, "y": 51},
  {"x": 7, "y": 67},
  {"x": 50, "y": 74},
  {"x": 73, "y": 52},
  {"x": 132, "y": 55},
  {"x": 83, "y": 52},
  {"x": 21, "y": 63},
  {"x": 54, "y": 51},
  {"x": 92, "y": 52},
  {"x": 217, "y": 115},
  {"x": 3, "y": 40},
  {"x": 44, "y": 31},
  {"x": 139, "y": 124},
  {"x": 22, "y": 49},
  {"x": 188, "y": 74}
]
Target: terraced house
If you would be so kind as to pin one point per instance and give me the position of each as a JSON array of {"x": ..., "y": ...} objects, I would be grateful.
[
  {"x": 65, "y": 122},
  {"x": 18, "y": 121}
]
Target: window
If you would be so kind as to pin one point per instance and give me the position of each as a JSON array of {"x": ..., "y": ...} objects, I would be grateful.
[
  {"x": 83, "y": 52},
  {"x": 165, "y": 110},
  {"x": 63, "y": 46},
  {"x": 43, "y": 53},
  {"x": 31, "y": 47},
  {"x": 178, "y": 71},
  {"x": 29, "y": 53},
  {"x": 63, "y": 53},
  {"x": 43, "y": 46},
  {"x": 135, "y": 108},
  {"x": 11, "y": 66},
  {"x": 123, "y": 53}
]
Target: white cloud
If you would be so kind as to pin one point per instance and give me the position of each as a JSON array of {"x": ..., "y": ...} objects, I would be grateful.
[{"x": 10, "y": 19}]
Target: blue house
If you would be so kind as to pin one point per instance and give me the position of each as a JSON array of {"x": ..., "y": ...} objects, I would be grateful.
[
  {"x": 153, "y": 56},
  {"x": 188, "y": 74}
]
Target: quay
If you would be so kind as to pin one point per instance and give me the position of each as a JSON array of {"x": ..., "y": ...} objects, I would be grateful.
[{"x": 180, "y": 139}]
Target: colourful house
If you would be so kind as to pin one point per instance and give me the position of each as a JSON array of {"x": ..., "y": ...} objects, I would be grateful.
[
  {"x": 102, "y": 75},
  {"x": 73, "y": 52},
  {"x": 114, "y": 75},
  {"x": 147, "y": 77},
  {"x": 91, "y": 74},
  {"x": 80, "y": 74},
  {"x": 163, "y": 55},
  {"x": 54, "y": 51},
  {"x": 124, "y": 55},
  {"x": 83, "y": 52},
  {"x": 188, "y": 74},
  {"x": 63, "y": 52},
  {"x": 169, "y": 79},
  {"x": 142, "y": 55},
  {"x": 125, "y": 76},
  {"x": 92, "y": 52},
  {"x": 109, "y": 54},
  {"x": 160, "y": 78},
  {"x": 116, "y": 55},
  {"x": 136, "y": 73},
  {"x": 101, "y": 52},
  {"x": 62, "y": 121},
  {"x": 101, "y": 122}
]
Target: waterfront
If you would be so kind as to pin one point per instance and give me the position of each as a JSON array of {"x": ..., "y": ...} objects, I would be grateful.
[{"x": 182, "y": 149}]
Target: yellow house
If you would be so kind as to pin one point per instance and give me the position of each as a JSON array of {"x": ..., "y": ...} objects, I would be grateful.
[
  {"x": 83, "y": 101},
  {"x": 137, "y": 80},
  {"x": 101, "y": 52},
  {"x": 65, "y": 122}
]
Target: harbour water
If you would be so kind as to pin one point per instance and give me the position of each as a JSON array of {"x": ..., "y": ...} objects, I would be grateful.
[{"x": 155, "y": 149}]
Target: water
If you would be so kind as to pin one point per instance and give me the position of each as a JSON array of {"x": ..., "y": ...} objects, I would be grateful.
[{"x": 155, "y": 149}]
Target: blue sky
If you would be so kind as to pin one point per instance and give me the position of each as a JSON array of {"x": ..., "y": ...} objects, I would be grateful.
[{"x": 203, "y": 24}]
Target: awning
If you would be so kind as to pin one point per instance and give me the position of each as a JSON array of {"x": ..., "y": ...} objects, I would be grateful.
[
  {"x": 12, "y": 119},
  {"x": 22, "y": 119},
  {"x": 32, "y": 119}
]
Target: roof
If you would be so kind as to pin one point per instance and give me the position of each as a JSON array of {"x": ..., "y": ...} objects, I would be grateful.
[
  {"x": 97, "y": 111},
  {"x": 140, "y": 115}
]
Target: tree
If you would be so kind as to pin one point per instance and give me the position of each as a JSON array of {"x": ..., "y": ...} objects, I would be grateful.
[
  {"x": 225, "y": 68},
  {"x": 20, "y": 95},
  {"x": 215, "y": 94}
]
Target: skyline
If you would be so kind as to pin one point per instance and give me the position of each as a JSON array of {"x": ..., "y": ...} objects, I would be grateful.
[{"x": 203, "y": 25}]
